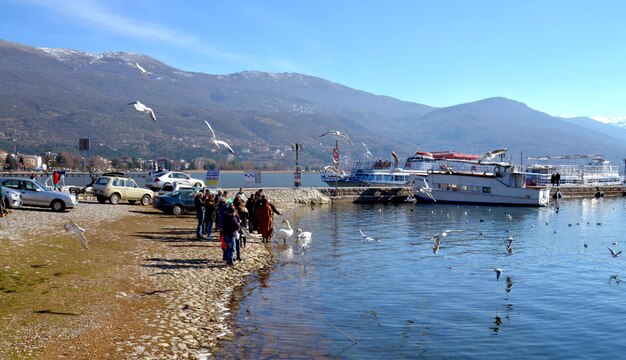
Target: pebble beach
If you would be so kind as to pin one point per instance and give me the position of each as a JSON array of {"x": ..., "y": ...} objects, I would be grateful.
[{"x": 146, "y": 289}]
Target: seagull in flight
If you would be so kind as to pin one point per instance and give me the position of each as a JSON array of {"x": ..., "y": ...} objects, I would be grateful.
[
  {"x": 339, "y": 133},
  {"x": 143, "y": 108},
  {"x": 143, "y": 71},
  {"x": 427, "y": 190},
  {"x": 78, "y": 232},
  {"x": 218, "y": 142},
  {"x": 367, "y": 238},
  {"x": 490, "y": 155},
  {"x": 498, "y": 273},
  {"x": 437, "y": 238},
  {"x": 613, "y": 253}
]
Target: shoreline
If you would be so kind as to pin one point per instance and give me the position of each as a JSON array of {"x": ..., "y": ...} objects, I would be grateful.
[{"x": 146, "y": 289}]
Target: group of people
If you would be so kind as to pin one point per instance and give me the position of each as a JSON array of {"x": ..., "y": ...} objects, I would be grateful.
[
  {"x": 230, "y": 216},
  {"x": 261, "y": 212}
]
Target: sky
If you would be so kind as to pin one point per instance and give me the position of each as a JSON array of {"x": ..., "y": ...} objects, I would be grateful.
[{"x": 562, "y": 57}]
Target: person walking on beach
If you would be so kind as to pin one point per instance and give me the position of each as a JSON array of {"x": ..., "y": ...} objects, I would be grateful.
[
  {"x": 198, "y": 203},
  {"x": 56, "y": 179},
  {"x": 231, "y": 231},
  {"x": 243, "y": 215},
  {"x": 209, "y": 214},
  {"x": 251, "y": 213},
  {"x": 266, "y": 219}
]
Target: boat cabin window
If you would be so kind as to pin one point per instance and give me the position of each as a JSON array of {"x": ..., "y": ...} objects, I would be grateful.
[
  {"x": 475, "y": 189},
  {"x": 486, "y": 190},
  {"x": 454, "y": 187},
  {"x": 463, "y": 187}
]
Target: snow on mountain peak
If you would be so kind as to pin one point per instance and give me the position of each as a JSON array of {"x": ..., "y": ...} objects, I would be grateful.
[{"x": 614, "y": 120}]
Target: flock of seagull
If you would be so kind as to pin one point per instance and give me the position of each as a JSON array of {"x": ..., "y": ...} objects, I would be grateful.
[{"x": 150, "y": 113}]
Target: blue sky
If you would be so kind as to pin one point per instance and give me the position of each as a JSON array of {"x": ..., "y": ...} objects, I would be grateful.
[{"x": 562, "y": 57}]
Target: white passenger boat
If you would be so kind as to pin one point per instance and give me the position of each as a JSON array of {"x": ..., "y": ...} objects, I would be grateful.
[
  {"x": 381, "y": 172},
  {"x": 474, "y": 183},
  {"x": 596, "y": 172}
]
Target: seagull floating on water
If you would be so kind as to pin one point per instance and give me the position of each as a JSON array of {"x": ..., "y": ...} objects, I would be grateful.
[
  {"x": 217, "y": 142},
  {"x": 367, "y": 238},
  {"x": 78, "y": 232},
  {"x": 143, "y": 108},
  {"x": 509, "y": 244},
  {"x": 340, "y": 134},
  {"x": 143, "y": 71}
]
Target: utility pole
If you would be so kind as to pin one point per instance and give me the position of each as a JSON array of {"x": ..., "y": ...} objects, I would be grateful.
[{"x": 297, "y": 175}]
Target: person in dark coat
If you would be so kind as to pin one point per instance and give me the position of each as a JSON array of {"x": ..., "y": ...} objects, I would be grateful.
[
  {"x": 198, "y": 203},
  {"x": 209, "y": 214}
]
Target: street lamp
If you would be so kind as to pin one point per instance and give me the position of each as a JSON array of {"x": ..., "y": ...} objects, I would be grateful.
[{"x": 297, "y": 178}]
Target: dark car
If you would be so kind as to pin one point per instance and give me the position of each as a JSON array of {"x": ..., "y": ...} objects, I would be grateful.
[{"x": 177, "y": 202}]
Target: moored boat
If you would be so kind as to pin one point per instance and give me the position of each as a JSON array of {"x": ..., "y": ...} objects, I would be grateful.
[
  {"x": 504, "y": 185},
  {"x": 381, "y": 172}
]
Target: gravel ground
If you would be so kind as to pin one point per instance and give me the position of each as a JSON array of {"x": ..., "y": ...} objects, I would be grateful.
[{"x": 179, "y": 292}]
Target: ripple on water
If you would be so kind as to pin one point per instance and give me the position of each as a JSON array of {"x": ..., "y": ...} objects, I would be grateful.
[{"x": 556, "y": 299}]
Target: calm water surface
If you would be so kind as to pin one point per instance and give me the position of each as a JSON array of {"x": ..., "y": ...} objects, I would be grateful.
[{"x": 350, "y": 299}]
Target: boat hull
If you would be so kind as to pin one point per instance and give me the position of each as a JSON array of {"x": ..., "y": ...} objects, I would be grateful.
[{"x": 482, "y": 190}]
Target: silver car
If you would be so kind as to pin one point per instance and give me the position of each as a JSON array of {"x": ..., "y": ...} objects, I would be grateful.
[
  {"x": 35, "y": 193},
  {"x": 12, "y": 198},
  {"x": 158, "y": 180}
]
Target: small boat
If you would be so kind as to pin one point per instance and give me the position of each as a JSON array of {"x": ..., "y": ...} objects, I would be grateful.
[
  {"x": 383, "y": 173},
  {"x": 470, "y": 183}
]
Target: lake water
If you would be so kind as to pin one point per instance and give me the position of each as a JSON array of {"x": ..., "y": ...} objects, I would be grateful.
[{"x": 350, "y": 299}]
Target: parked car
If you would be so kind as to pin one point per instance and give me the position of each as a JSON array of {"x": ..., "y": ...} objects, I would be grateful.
[
  {"x": 177, "y": 202},
  {"x": 12, "y": 198},
  {"x": 118, "y": 188},
  {"x": 175, "y": 186},
  {"x": 37, "y": 194},
  {"x": 158, "y": 180}
]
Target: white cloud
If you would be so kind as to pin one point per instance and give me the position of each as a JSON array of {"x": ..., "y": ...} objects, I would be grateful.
[{"x": 96, "y": 14}]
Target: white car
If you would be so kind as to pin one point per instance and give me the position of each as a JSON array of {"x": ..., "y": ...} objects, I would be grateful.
[{"x": 158, "y": 180}]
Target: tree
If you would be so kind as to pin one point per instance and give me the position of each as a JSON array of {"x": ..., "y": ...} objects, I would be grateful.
[
  {"x": 117, "y": 164},
  {"x": 10, "y": 163}
]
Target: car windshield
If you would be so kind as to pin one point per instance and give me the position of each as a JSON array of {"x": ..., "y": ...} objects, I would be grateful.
[{"x": 42, "y": 186}]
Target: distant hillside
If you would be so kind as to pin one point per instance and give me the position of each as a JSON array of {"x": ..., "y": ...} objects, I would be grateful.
[{"x": 49, "y": 98}]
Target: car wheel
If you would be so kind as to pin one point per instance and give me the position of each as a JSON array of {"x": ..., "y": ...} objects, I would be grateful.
[
  {"x": 101, "y": 199},
  {"x": 115, "y": 199},
  {"x": 197, "y": 185},
  {"x": 57, "y": 205},
  {"x": 177, "y": 210},
  {"x": 145, "y": 200},
  {"x": 132, "y": 202}
]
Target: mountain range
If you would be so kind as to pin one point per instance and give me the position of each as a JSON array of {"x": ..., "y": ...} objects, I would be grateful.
[{"x": 50, "y": 98}]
